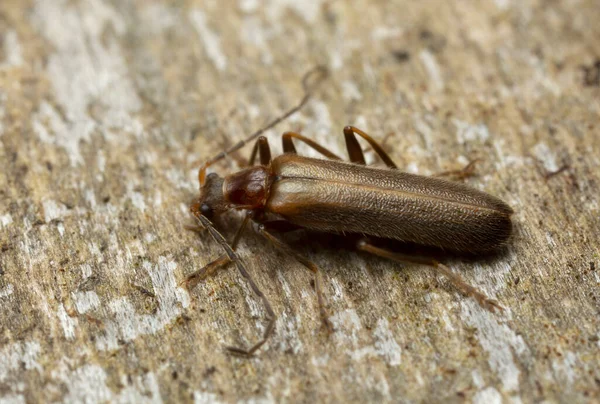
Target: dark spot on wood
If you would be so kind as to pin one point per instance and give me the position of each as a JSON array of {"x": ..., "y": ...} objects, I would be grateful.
[
  {"x": 209, "y": 371},
  {"x": 425, "y": 34},
  {"x": 89, "y": 283},
  {"x": 183, "y": 319},
  {"x": 144, "y": 291},
  {"x": 539, "y": 387},
  {"x": 434, "y": 42},
  {"x": 591, "y": 74},
  {"x": 401, "y": 55}
]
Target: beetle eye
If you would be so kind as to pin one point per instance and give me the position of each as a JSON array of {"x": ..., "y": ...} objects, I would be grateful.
[{"x": 206, "y": 210}]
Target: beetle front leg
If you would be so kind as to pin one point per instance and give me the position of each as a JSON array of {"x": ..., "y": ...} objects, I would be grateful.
[
  {"x": 280, "y": 245},
  {"x": 234, "y": 258},
  {"x": 264, "y": 152},
  {"x": 220, "y": 263},
  {"x": 207, "y": 271},
  {"x": 456, "y": 280},
  {"x": 194, "y": 227}
]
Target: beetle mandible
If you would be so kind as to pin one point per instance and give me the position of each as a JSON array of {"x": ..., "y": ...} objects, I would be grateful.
[{"x": 329, "y": 195}]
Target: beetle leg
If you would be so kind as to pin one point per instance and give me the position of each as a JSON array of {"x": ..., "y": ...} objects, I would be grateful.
[
  {"x": 281, "y": 226},
  {"x": 307, "y": 85},
  {"x": 465, "y": 172},
  {"x": 194, "y": 228},
  {"x": 355, "y": 151},
  {"x": 264, "y": 151},
  {"x": 455, "y": 279},
  {"x": 288, "y": 145},
  {"x": 220, "y": 263},
  {"x": 308, "y": 264},
  {"x": 233, "y": 257},
  {"x": 207, "y": 271}
]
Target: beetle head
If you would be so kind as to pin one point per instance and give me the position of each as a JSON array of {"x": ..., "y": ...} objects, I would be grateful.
[{"x": 211, "y": 199}]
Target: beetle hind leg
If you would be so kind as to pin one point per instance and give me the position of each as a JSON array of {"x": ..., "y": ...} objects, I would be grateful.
[
  {"x": 456, "y": 280},
  {"x": 465, "y": 172}
]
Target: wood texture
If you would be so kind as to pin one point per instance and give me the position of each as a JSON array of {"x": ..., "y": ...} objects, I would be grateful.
[{"x": 107, "y": 106}]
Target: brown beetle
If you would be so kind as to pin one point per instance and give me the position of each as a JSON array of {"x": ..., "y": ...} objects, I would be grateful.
[{"x": 291, "y": 191}]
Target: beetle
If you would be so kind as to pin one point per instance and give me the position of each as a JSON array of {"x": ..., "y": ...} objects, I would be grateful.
[{"x": 290, "y": 191}]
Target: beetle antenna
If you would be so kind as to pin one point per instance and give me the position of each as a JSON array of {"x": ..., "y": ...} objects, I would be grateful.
[
  {"x": 218, "y": 237},
  {"x": 307, "y": 86}
]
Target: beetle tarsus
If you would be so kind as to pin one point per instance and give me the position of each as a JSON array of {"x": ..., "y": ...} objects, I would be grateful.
[
  {"x": 268, "y": 331},
  {"x": 468, "y": 290},
  {"x": 489, "y": 304},
  {"x": 327, "y": 324}
]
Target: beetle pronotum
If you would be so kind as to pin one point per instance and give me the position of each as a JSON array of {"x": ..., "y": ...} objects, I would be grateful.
[{"x": 330, "y": 195}]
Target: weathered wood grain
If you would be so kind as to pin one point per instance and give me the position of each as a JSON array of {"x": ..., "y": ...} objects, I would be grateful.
[{"x": 105, "y": 106}]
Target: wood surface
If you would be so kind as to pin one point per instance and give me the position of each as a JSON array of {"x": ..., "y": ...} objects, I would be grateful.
[{"x": 106, "y": 108}]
